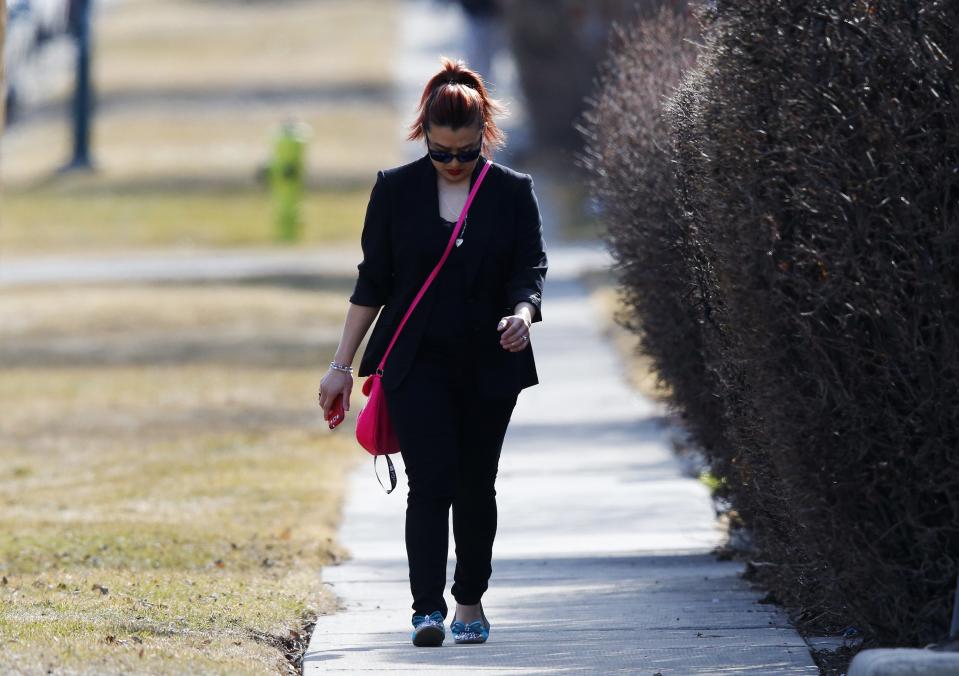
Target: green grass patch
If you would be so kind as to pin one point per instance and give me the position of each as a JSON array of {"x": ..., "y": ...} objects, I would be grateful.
[
  {"x": 52, "y": 220},
  {"x": 712, "y": 482}
]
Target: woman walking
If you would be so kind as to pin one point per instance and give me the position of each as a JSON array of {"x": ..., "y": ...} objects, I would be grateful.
[{"x": 457, "y": 367}]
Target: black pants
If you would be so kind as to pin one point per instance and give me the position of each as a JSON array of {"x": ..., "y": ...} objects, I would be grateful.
[{"x": 451, "y": 437}]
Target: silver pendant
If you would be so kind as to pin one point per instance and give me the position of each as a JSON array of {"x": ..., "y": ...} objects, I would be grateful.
[{"x": 459, "y": 240}]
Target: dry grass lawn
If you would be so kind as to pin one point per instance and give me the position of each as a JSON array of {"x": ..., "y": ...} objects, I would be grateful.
[
  {"x": 166, "y": 504},
  {"x": 184, "y": 148},
  {"x": 189, "y": 97},
  {"x": 169, "y": 491},
  {"x": 279, "y": 42}
]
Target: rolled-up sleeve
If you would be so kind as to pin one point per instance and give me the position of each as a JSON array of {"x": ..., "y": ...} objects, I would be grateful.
[
  {"x": 529, "y": 256},
  {"x": 375, "y": 279}
]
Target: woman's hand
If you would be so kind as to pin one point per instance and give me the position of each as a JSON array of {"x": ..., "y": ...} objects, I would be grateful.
[
  {"x": 515, "y": 330},
  {"x": 333, "y": 384}
]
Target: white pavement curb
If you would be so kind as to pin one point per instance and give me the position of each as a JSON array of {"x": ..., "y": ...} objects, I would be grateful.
[{"x": 904, "y": 662}]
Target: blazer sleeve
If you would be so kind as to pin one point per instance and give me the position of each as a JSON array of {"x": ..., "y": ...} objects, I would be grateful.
[
  {"x": 529, "y": 257},
  {"x": 375, "y": 278}
]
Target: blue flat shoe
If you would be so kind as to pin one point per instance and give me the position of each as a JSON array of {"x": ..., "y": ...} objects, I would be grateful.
[
  {"x": 428, "y": 630},
  {"x": 474, "y": 632}
]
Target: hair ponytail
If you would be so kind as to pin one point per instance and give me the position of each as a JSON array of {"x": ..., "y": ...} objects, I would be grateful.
[{"x": 457, "y": 97}]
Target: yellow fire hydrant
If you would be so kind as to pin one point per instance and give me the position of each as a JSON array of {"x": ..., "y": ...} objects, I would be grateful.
[{"x": 287, "y": 177}]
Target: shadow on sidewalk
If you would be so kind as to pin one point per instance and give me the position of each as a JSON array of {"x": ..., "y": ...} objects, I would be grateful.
[{"x": 654, "y": 612}]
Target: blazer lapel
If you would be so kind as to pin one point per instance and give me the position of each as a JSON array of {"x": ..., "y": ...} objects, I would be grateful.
[
  {"x": 432, "y": 190},
  {"x": 480, "y": 224}
]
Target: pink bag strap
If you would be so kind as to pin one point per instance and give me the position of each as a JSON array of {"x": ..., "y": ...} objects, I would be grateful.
[{"x": 429, "y": 280}]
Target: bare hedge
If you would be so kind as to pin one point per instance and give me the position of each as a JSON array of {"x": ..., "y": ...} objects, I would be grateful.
[
  {"x": 811, "y": 226},
  {"x": 633, "y": 175}
]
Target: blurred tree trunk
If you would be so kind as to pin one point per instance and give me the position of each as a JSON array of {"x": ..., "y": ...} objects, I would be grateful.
[{"x": 558, "y": 45}]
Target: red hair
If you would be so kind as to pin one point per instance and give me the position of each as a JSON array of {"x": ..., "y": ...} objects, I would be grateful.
[{"x": 456, "y": 97}]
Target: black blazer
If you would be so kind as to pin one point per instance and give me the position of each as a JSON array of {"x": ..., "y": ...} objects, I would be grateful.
[{"x": 505, "y": 260}]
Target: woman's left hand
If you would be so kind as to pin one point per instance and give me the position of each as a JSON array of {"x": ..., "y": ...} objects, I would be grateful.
[{"x": 515, "y": 330}]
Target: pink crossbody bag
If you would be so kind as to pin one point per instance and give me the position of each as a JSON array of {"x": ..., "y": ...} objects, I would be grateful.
[{"x": 374, "y": 430}]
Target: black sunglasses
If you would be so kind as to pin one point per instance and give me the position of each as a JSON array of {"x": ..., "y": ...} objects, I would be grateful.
[{"x": 445, "y": 157}]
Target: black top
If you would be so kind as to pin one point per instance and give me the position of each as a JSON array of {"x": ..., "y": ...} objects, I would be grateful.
[
  {"x": 447, "y": 328},
  {"x": 480, "y": 8},
  {"x": 502, "y": 261}
]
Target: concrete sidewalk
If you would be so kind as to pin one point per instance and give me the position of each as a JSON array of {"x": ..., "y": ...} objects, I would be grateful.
[
  {"x": 231, "y": 265},
  {"x": 601, "y": 560},
  {"x": 187, "y": 265}
]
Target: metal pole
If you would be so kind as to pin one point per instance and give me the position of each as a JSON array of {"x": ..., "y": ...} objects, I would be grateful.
[
  {"x": 3, "y": 24},
  {"x": 83, "y": 94}
]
